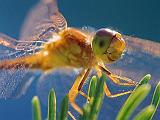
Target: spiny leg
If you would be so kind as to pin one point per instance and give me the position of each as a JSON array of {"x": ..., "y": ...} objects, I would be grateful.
[
  {"x": 76, "y": 88},
  {"x": 109, "y": 94},
  {"x": 116, "y": 79},
  {"x": 71, "y": 115},
  {"x": 106, "y": 90},
  {"x": 84, "y": 95}
]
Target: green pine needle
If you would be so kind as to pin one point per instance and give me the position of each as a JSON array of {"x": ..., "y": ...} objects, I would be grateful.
[
  {"x": 133, "y": 101},
  {"x": 63, "y": 113},
  {"x": 156, "y": 98},
  {"x": 36, "y": 108},
  {"x": 52, "y": 105},
  {"x": 92, "y": 88},
  {"x": 146, "y": 113},
  {"x": 96, "y": 92}
]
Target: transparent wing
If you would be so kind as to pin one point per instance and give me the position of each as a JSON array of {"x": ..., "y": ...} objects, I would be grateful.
[
  {"x": 141, "y": 57},
  {"x": 14, "y": 81},
  {"x": 11, "y": 47},
  {"x": 43, "y": 20}
]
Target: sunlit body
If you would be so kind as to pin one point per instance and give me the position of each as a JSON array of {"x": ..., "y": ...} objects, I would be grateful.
[
  {"x": 72, "y": 48},
  {"x": 66, "y": 47}
]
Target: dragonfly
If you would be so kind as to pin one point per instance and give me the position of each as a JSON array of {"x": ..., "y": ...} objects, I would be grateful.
[{"x": 48, "y": 45}]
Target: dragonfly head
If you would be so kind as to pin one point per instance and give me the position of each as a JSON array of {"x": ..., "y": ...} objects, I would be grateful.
[{"x": 108, "y": 45}]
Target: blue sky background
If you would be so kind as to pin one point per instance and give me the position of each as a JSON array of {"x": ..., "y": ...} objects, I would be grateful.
[{"x": 131, "y": 17}]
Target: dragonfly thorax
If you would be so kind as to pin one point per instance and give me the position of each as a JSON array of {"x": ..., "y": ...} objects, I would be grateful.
[{"x": 73, "y": 49}]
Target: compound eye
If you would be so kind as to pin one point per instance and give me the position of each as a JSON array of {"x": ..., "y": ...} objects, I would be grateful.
[{"x": 102, "y": 40}]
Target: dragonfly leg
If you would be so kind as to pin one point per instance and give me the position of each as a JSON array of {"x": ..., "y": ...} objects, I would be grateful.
[
  {"x": 84, "y": 95},
  {"x": 71, "y": 115},
  {"x": 116, "y": 79},
  {"x": 109, "y": 94},
  {"x": 106, "y": 90},
  {"x": 76, "y": 88}
]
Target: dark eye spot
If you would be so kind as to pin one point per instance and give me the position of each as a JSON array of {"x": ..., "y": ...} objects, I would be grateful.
[{"x": 101, "y": 43}]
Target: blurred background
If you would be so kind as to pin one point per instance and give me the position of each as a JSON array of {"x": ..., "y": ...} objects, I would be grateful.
[{"x": 130, "y": 17}]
